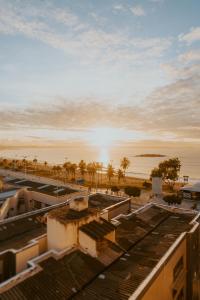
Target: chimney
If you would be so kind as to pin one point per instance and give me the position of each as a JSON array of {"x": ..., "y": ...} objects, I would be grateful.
[{"x": 79, "y": 203}]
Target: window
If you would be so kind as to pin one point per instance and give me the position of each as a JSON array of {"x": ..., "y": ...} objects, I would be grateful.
[{"x": 178, "y": 268}]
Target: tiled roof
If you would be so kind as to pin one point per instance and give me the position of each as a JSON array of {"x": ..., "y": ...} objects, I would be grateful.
[
  {"x": 144, "y": 250},
  {"x": 97, "y": 230},
  {"x": 145, "y": 238},
  {"x": 58, "y": 280}
]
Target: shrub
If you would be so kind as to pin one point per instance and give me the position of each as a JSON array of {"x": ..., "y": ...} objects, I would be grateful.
[
  {"x": 172, "y": 199},
  {"x": 147, "y": 185},
  {"x": 115, "y": 189},
  {"x": 132, "y": 191}
]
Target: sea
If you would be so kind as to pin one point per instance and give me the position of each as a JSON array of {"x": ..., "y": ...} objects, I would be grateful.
[{"x": 139, "y": 166}]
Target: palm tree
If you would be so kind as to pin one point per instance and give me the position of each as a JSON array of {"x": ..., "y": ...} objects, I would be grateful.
[
  {"x": 73, "y": 169},
  {"x": 82, "y": 167},
  {"x": 99, "y": 167},
  {"x": 5, "y": 162},
  {"x": 120, "y": 175},
  {"x": 89, "y": 170},
  {"x": 94, "y": 171},
  {"x": 67, "y": 167},
  {"x": 110, "y": 172},
  {"x": 125, "y": 163},
  {"x": 35, "y": 162}
]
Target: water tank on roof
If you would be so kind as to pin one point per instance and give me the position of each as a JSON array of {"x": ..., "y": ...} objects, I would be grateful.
[{"x": 157, "y": 185}]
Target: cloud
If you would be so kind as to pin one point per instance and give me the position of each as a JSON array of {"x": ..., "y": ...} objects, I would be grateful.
[
  {"x": 119, "y": 7},
  {"x": 171, "y": 111},
  {"x": 192, "y": 36},
  {"x": 190, "y": 56},
  {"x": 138, "y": 10},
  {"x": 156, "y": 1},
  {"x": 66, "y": 114},
  {"x": 77, "y": 38}
]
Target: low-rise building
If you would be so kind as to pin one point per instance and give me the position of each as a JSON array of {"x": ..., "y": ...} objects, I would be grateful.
[{"x": 152, "y": 254}]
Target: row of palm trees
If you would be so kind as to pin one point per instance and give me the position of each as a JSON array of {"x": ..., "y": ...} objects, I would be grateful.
[{"x": 94, "y": 170}]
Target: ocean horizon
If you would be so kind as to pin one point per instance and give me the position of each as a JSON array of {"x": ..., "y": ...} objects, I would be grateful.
[{"x": 139, "y": 166}]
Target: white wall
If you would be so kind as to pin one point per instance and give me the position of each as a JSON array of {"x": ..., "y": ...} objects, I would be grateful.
[
  {"x": 157, "y": 185},
  {"x": 24, "y": 255},
  {"x": 87, "y": 243}
]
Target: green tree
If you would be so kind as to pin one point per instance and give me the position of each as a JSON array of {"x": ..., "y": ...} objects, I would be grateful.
[
  {"x": 115, "y": 189},
  {"x": 73, "y": 169},
  {"x": 110, "y": 172},
  {"x": 168, "y": 170},
  {"x": 120, "y": 175},
  {"x": 82, "y": 167},
  {"x": 156, "y": 172},
  {"x": 133, "y": 191},
  {"x": 125, "y": 163},
  {"x": 147, "y": 185},
  {"x": 172, "y": 199}
]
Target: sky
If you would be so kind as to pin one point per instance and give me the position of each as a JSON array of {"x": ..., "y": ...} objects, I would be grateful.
[{"x": 99, "y": 71}]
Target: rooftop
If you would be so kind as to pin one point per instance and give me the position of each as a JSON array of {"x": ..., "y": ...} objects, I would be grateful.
[
  {"x": 17, "y": 231},
  {"x": 6, "y": 194},
  {"x": 145, "y": 237},
  {"x": 103, "y": 201},
  {"x": 97, "y": 230},
  {"x": 65, "y": 214},
  {"x": 44, "y": 188},
  {"x": 15, "y": 234},
  {"x": 59, "y": 279}
]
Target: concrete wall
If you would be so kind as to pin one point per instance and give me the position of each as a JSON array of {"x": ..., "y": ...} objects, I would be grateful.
[
  {"x": 24, "y": 255},
  {"x": 60, "y": 235},
  {"x": 163, "y": 284},
  {"x": 42, "y": 243},
  {"x": 87, "y": 243},
  {"x": 122, "y": 207}
]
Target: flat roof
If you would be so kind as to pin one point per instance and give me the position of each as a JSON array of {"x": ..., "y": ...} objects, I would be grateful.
[
  {"x": 49, "y": 189},
  {"x": 15, "y": 234},
  {"x": 66, "y": 214},
  {"x": 102, "y": 201}
]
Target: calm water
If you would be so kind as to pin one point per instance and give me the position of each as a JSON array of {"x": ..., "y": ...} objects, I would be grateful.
[{"x": 140, "y": 166}]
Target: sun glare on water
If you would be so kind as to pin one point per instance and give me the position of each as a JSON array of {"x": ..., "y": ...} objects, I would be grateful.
[{"x": 104, "y": 138}]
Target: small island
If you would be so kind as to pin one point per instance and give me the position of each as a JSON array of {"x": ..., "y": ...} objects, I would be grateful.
[{"x": 150, "y": 155}]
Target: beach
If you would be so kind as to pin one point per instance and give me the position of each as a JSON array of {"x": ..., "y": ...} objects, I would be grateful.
[{"x": 140, "y": 167}]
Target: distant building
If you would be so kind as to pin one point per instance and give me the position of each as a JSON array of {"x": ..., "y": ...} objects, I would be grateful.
[
  {"x": 26, "y": 195},
  {"x": 191, "y": 191}
]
